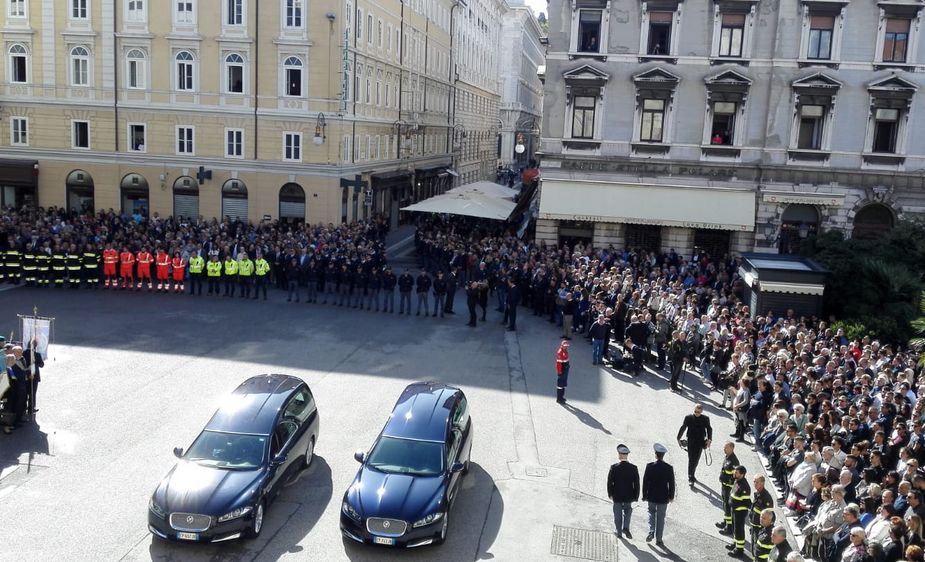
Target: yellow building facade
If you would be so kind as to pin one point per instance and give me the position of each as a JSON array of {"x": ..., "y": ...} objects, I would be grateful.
[{"x": 237, "y": 108}]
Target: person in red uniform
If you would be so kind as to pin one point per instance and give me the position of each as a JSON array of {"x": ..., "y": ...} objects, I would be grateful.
[
  {"x": 179, "y": 271},
  {"x": 144, "y": 269},
  {"x": 562, "y": 366},
  {"x": 110, "y": 259},
  {"x": 163, "y": 270},
  {"x": 127, "y": 268}
]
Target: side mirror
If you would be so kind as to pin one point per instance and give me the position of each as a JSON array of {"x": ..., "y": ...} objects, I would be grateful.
[
  {"x": 178, "y": 452},
  {"x": 457, "y": 467},
  {"x": 280, "y": 458},
  {"x": 360, "y": 456}
]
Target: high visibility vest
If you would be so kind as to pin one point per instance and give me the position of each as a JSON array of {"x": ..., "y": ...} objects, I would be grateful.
[
  {"x": 196, "y": 264},
  {"x": 262, "y": 267},
  {"x": 231, "y": 267},
  {"x": 214, "y": 269},
  {"x": 245, "y": 268}
]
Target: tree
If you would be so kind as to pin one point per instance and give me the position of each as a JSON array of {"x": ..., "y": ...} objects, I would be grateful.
[{"x": 918, "y": 325}]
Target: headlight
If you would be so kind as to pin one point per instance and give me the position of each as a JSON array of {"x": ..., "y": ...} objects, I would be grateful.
[
  {"x": 351, "y": 512},
  {"x": 156, "y": 509},
  {"x": 240, "y": 512},
  {"x": 432, "y": 518}
]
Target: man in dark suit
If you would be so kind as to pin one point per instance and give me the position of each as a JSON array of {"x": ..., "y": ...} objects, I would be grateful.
[
  {"x": 512, "y": 301},
  {"x": 623, "y": 489},
  {"x": 658, "y": 490},
  {"x": 36, "y": 375},
  {"x": 699, "y": 437}
]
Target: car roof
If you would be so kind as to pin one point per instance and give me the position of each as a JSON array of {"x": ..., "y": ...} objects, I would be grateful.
[
  {"x": 422, "y": 411},
  {"x": 253, "y": 406}
]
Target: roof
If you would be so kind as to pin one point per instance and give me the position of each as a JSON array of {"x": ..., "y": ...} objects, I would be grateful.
[
  {"x": 253, "y": 406},
  {"x": 782, "y": 262},
  {"x": 422, "y": 412}
]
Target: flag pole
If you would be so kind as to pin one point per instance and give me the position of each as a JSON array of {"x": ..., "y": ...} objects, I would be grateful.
[{"x": 35, "y": 314}]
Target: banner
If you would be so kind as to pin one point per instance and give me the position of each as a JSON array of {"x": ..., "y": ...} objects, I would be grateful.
[{"x": 40, "y": 328}]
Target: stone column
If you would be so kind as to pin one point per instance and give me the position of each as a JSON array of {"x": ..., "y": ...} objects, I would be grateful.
[
  {"x": 679, "y": 238},
  {"x": 548, "y": 230},
  {"x": 609, "y": 234}
]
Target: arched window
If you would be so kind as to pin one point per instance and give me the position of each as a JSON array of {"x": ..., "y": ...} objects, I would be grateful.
[
  {"x": 797, "y": 223},
  {"x": 234, "y": 74},
  {"x": 134, "y": 191},
  {"x": 79, "y": 189},
  {"x": 293, "y": 73},
  {"x": 135, "y": 70},
  {"x": 186, "y": 198},
  {"x": 873, "y": 221},
  {"x": 292, "y": 203},
  {"x": 234, "y": 200},
  {"x": 185, "y": 71},
  {"x": 18, "y": 64},
  {"x": 80, "y": 67}
]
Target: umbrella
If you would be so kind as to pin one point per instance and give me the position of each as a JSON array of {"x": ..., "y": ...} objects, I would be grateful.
[
  {"x": 470, "y": 204},
  {"x": 488, "y": 188}
]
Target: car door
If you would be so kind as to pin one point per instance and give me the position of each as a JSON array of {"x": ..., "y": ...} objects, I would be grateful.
[{"x": 281, "y": 444}]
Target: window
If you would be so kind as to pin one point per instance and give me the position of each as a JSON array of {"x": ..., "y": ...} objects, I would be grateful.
[
  {"x": 583, "y": 117},
  {"x": 359, "y": 24},
  {"x": 293, "y": 14},
  {"x": 234, "y": 71},
  {"x": 234, "y": 143},
  {"x": 388, "y": 45},
  {"x": 19, "y": 131},
  {"x": 79, "y": 9},
  {"x": 652, "y": 123},
  {"x": 185, "y": 71},
  {"x": 136, "y": 11},
  {"x": 820, "y": 37},
  {"x": 81, "y": 134},
  {"x": 895, "y": 40},
  {"x": 234, "y": 14},
  {"x": 136, "y": 137},
  {"x": 379, "y": 33},
  {"x": 724, "y": 116},
  {"x": 80, "y": 66},
  {"x": 589, "y": 31},
  {"x": 731, "y": 35},
  {"x": 292, "y": 147},
  {"x": 18, "y": 64},
  {"x": 369, "y": 28},
  {"x": 812, "y": 122},
  {"x": 293, "y": 74},
  {"x": 185, "y": 13},
  {"x": 17, "y": 8},
  {"x": 135, "y": 70},
  {"x": 184, "y": 140},
  {"x": 886, "y": 127},
  {"x": 660, "y": 33}
]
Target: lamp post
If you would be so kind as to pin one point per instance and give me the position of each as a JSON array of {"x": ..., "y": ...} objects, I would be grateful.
[{"x": 320, "y": 126}]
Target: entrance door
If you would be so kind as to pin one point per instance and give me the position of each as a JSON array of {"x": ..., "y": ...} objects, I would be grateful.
[
  {"x": 713, "y": 243},
  {"x": 186, "y": 198},
  {"x": 79, "y": 192},
  {"x": 292, "y": 203},
  {"x": 645, "y": 237},
  {"x": 797, "y": 223},
  {"x": 234, "y": 200},
  {"x": 572, "y": 233},
  {"x": 134, "y": 195}
]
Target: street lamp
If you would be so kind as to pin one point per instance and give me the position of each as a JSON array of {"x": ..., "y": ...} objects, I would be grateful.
[
  {"x": 519, "y": 148},
  {"x": 320, "y": 126}
]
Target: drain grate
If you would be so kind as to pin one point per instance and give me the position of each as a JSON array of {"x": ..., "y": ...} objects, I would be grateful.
[{"x": 584, "y": 543}]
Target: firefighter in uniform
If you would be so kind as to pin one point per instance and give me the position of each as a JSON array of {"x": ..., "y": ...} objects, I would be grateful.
[
  {"x": 196, "y": 265},
  {"x": 59, "y": 266},
  {"x": 726, "y": 479},
  {"x": 91, "y": 266},
  {"x": 261, "y": 271},
  {"x": 245, "y": 274},
  {"x": 761, "y": 543},
  {"x": 163, "y": 270},
  {"x": 178, "y": 265},
  {"x": 127, "y": 268},
  {"x": 13, "y": 264},
  {"x": 230, "y": 272},
  {"x": 29, "y": 265},
  {"x": 42, "y": 265},
  {"x": 144, "y": 269},
  {"x": 761, "y": 500},
  {"x": 110, "y": 259},
  {"x": 73, "y": 267},
  {"x": 740, "y": 500},
  {"x": 214, "y": 273}
]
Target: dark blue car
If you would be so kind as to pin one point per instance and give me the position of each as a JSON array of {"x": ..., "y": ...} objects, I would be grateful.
[
  {"x": 257, "y": 440},
  {"x": 408, "y": 481}
]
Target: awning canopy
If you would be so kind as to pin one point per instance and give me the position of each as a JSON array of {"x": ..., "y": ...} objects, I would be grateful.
[
  {"x": 466, "y": 204},
  {"x": 719, "y": 208},
  {"x": 488, "y": 188}
]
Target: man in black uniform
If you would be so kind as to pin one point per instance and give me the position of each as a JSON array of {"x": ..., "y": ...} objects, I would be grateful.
[
  {"x": 451, "y": 282},
  {"x": 761, "y": 500},
  {"x": 512, "y": 301},
  {"x": 423, "y": 288},
  {"x": 34, "y": 378},
  {"x": 388, "y": 290},
  {"x": 91, "y": 266},
  {"x": 439, "y": 294},
  {"x": 73, "y": 267},
  {"x": 59, "y": 266},
  {"x": 699, "y": 437},
  {"x": 375, "y": 287},
  {"x": 658, "y": 490},
  {"x": 762, "y": 544},
  {"x": 740, "y": 501},
  {"x": 726, "y": 480},
  {"x": 623, "y": 489},
  {"x": 678, "y": 350},
  {"x": 472, "y": 300},
  {"x": 405, "y": 284}
]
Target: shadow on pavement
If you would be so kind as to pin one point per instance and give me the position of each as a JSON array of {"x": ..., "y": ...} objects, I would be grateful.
[
  {"x": 586, "y": 418},
  {"x": 289, "y": 519},
  {"x": 28, "y": 439},
  {"x": 708, "y": 493}
]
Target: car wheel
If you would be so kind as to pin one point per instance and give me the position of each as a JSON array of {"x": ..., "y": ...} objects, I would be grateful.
[
  {"x": 446, "y": 524},
  {"x": 257, "y": 522},
  {"x": 309, "y": 454}
]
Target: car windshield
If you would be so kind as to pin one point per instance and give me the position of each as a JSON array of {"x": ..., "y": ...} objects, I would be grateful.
[
  {"x": 227, "y": 450},
  {"x": 407, "y": 456}
]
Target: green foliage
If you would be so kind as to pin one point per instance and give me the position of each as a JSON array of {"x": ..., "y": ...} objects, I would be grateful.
[
  {"x": 918, "y": 326},
  {"x": 875, "y": 284}
]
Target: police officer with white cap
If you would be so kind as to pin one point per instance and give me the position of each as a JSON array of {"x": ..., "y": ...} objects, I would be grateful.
[
  {"x": 658, "y": 489},
  {"x": 623, "y": 489}
]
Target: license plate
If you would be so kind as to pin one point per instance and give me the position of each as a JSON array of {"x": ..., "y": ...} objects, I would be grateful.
[
  {"x": 383, "y": 540},
  {"x": 188, "y": 536}
]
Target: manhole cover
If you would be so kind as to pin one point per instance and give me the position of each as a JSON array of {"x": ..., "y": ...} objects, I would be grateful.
[{"x": 584, "y": 544}]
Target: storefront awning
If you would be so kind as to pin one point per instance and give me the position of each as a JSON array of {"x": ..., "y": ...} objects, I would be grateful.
[
  {"x": 466, "y": 204},
  {"x": 488, "y": 188},
  {"x": 720, "y": 208}
]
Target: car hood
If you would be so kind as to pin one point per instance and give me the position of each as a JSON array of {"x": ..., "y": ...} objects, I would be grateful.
[
  {"x": 397, "y": 496},
  {"x": 192, "y": 488}
]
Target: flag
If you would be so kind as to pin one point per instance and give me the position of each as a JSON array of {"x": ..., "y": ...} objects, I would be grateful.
[{"x": 41, "y": 328}]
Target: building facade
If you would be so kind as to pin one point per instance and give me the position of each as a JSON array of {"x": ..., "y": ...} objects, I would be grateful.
[
  {"x": 521, "y": 89},
  {"x": 731, "y": 125},
  {"x": 237, "y": 108}
]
